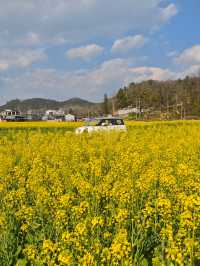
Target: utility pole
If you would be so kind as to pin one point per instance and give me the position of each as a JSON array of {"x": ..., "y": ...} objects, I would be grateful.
[
  {"x": 88, "y": 113},
  {"x": 113, "y": 107},
  {"x": 136, "y": 109},
  {"x": 167, "y": 106},
  {"x": 181, "y": 110},
  {"x": 176, "y": 103},
  {"x": 139, "y": 108}
]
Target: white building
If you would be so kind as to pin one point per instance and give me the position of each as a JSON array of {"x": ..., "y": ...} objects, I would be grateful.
[
  {"x": 127, "y": 111},
  {"x": 9, "y": 112},
  {"x": 69, "y": 118},
  {"x": 54, "y": 112}
]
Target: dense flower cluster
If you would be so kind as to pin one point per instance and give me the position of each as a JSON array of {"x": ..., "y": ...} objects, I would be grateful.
[
  {"x": 101, "y": 199},
  {"x": 50, "y": 124}
]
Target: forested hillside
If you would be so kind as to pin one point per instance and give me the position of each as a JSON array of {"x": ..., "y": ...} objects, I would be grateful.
[{"x": 163, "y": 96}]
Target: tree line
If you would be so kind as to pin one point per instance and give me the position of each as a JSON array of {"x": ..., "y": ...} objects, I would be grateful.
[{"x": 177, "y": 97}]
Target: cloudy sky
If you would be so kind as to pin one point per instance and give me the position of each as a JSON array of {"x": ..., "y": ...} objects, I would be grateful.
[{"x": 60, "y": 49}]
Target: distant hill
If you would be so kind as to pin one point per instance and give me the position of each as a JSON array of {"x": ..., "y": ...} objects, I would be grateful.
[{"x": 39, "y": 105}]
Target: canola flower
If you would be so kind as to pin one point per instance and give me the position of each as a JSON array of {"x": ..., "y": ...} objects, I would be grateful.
[{"x": 109, "y": 198}]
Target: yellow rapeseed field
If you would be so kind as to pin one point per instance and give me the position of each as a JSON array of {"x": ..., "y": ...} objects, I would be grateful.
[{"x": 100, "y": 199}]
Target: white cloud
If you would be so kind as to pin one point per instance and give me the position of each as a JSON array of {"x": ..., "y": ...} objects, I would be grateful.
[
  {"x": 32, "y": 38},
  {"x": 168, "y": 12},
  {"x": 190, "y": 71},
  {"x": 20, "y": 58},
  {"x": 78, "y": 20},
  {"x": 128, "y": 43},
  {"x": 85, "y": 52},
  {"x": 35, "y": 39},
  {"x": 38, "y": 23},
  {"x": 172, "y": 54},
  {"x": 190, "y": 56},
  {"x": 90, "y": 84},
  {"x": 154, "y": 73}
]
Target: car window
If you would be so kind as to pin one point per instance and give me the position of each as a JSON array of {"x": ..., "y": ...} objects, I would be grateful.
[
  {"x": 117, "y": 122},
  {"x": 110, "y": 122},
  {"x": 107, "y": 122},
  {"x": 99, "y": 123},
  {"x": 102, "y": 122}
]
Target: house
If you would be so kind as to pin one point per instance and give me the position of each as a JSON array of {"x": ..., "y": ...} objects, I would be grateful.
[
  {"x": 70, "y": 118},
  {"x": 54, "y": 115},
  {"x": 54, "y": 112},
  {"x": 58, "y": 118},
  {"x": 128, "y": 110},
  {"x": 7, "y": 113}
]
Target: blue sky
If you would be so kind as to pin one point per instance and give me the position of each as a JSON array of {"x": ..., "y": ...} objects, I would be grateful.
[{"x": 60, "y": 49}]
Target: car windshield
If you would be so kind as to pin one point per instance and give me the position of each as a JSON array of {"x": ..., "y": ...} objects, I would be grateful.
[
  {"x": 105, "y": 122},
  {"x": 110, "y": 122}
]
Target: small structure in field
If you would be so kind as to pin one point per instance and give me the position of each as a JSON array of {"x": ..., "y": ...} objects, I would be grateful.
[
  {"x": 70, "y": 118},
  {"x": 129, "y": 110},
  {"x": 8, "y": 113},
  {"x": 59, "y": 112}
]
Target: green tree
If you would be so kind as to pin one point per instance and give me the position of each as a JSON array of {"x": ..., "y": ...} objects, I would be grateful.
[{"x": 122, "y": 98}]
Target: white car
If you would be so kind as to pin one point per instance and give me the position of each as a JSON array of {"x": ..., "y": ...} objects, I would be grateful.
[{"x": 103, "y": 124}]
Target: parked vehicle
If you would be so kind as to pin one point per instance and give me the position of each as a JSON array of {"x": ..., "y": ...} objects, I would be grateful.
[{"x": 103, "y": 124}]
